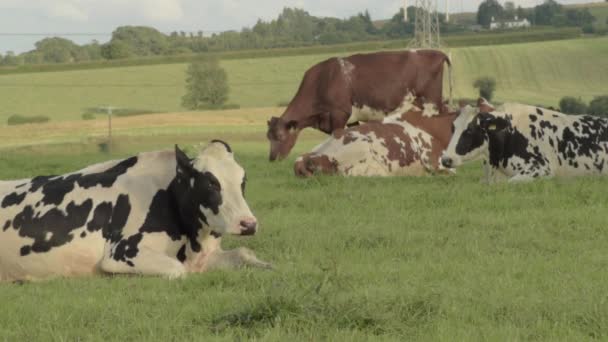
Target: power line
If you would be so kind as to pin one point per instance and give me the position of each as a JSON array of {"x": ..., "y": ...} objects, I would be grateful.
[{"x": 117, "y": 85}]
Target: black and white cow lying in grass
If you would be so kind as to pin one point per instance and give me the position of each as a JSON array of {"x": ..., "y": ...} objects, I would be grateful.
[
  {"x": 157, "y": 213},
  {"x": 526, "y": 142}
]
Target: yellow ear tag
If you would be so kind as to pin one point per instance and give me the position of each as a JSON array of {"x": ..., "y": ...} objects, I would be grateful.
[{"x": 492, "y": 127}]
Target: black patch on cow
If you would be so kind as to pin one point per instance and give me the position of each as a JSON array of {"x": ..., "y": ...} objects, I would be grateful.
[
  {"x": 176, "y": 210},
  {"x": 588, "y": 137},
  {"x": 54, "y": 188},
  {"x": 181, "y": 254},
  {"x": 223, "y": 143},
  {"x": 471, "y": 138},
  {"x": 102, "y": 216},
  {"x": 83, "y": 235},
  {"x": 547, "y": 125},
  {"x": 127, "y": 249},
  {"x": 215, "y": 234},
  {"x": 163, "y": 216},
  {"x": 507, "y": 143},
  {"x": 13, "y": 199},
  {"x": 533, "y": 118},
  {"x": 120, "y": 214},
  {"x": 20, "y": 185},
  {"x": 7, "y": 224},
  {"x": 52, "y": 229},
  {"x": 539, "y": 112},
  {"x": 243, "y": 185},
  {"x": 25, "y": 250}
]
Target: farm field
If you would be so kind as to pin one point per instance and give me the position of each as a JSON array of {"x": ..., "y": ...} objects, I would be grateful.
[
  {"x": 434, "y": 258},
  {"x": 537, "y": 73}
]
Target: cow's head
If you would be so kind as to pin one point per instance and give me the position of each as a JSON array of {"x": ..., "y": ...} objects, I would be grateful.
[
  {"x": 471, "y": 134},
  {"x": 282, "y": 136},
  {"x": 210, "y": 189}
]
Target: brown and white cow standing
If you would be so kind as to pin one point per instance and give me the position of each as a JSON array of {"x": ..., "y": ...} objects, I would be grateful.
[
  {"x": 409, "y": 144},
  {"x": 362, "y": 87}
]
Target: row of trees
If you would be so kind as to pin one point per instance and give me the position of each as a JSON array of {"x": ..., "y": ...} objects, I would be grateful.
[
  {"x": 293, "y": 27},
  {"x": 548, "y": 13}
]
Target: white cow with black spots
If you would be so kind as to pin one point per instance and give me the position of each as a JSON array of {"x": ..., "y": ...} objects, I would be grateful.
[
  {"x": 157, "y": 213},
  {"x": 527, "y": 142}
]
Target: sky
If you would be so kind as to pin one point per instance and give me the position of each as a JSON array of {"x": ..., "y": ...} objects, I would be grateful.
[{"x": 23, "y": 22}]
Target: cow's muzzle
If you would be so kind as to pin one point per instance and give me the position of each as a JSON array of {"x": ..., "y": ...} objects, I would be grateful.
[
  {"x": 447, "y": 162},
  {"x": 248, "y": 226}
]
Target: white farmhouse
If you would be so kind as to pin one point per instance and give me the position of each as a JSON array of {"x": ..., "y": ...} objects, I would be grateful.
[{"x": 509, "y": 24}]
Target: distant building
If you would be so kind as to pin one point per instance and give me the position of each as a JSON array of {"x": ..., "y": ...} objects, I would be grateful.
[{"x": 512, "y": 24}]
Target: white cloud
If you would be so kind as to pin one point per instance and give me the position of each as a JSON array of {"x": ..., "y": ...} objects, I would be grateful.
[
  {"x": 163, "y": 10},
  {"x": 68, "y": 10}
]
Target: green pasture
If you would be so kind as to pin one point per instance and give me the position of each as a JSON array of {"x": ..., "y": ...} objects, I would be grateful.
[
  {"x": 537, "y": 73},
  {"x": 440, "y": 258}
]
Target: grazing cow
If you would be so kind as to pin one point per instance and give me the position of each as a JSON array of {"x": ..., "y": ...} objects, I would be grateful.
[
  {"x": 526, "y": 142},
  {"x": 409, "y": 144},
  {"x": 362, "y": 87},
  {"x": 157, "y": 213}
]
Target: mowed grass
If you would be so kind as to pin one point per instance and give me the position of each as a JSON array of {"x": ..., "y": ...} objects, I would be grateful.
[
  {"x": 431, "y": 259},
  {"x": 538, "y": 73}
]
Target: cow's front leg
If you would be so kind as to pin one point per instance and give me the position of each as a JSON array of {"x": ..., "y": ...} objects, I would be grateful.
[
  {"x": 488, "y": 173},
  {"x": 144, "y": 262},
  {"x": 235, "y": 258}
]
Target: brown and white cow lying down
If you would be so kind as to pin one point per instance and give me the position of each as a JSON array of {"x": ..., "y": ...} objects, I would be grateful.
[
  {"x": 409, "y": 144},
  {"x": 157, "y": 213},
  {"x": 362, "y": 87}
]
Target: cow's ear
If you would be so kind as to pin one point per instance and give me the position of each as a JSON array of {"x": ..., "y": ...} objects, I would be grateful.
[
  {"x": 291, "y": 126},
  {"x": 484, "y": 106},
  {"x": 183, "y": 162}
]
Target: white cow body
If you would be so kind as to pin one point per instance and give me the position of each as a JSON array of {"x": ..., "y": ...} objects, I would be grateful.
[{"x": 122, "y": 217}]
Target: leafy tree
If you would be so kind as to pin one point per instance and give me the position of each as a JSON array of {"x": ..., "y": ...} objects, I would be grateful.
[
  {"x": 487, "y": 10},
  {"x": 544, "y": 13},
  {"x": 579, "y": 17},
  {"x": 141, "y": 40},
  {"x": 57, "y": 50},
  {"x": 11, "y": 59},
  {"x": 509, "y": 10},
  {"x": 599, "y": 106},
  {"x": 206, "y": 85},
  {"x": 486, "y": 86},
  {"x": 572, "y": 105},
  {"x": 521, "y": 13},
  {"x": 116, "y": 50}
]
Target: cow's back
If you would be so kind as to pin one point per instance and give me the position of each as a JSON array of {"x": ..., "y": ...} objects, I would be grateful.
[
  {"x": 381, "y": 80},
  {"x": 54, "y": 225},
  {"x": 573, "y": 145}
]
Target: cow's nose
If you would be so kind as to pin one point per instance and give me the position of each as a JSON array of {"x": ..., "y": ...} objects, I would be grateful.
[
  {"x": 447, "y": 162},
  {"x": 248, "y": 227}
]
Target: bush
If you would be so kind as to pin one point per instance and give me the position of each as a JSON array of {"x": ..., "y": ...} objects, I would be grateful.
[
  {"x": 22, "y": 119},
  {"x": 486, "y": 86},
  {"x": 588, "y": 28},
  {"x": 206, "y": 85},
  {"x": 599, "y": 106},
  {"x": 88, "y": 116},
  {"x": 572, "y": 105}
]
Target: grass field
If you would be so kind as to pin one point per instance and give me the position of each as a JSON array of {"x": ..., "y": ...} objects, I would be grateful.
[
  {"x": 538, "y": 73},
  {"x": 429, "y": 259}
]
